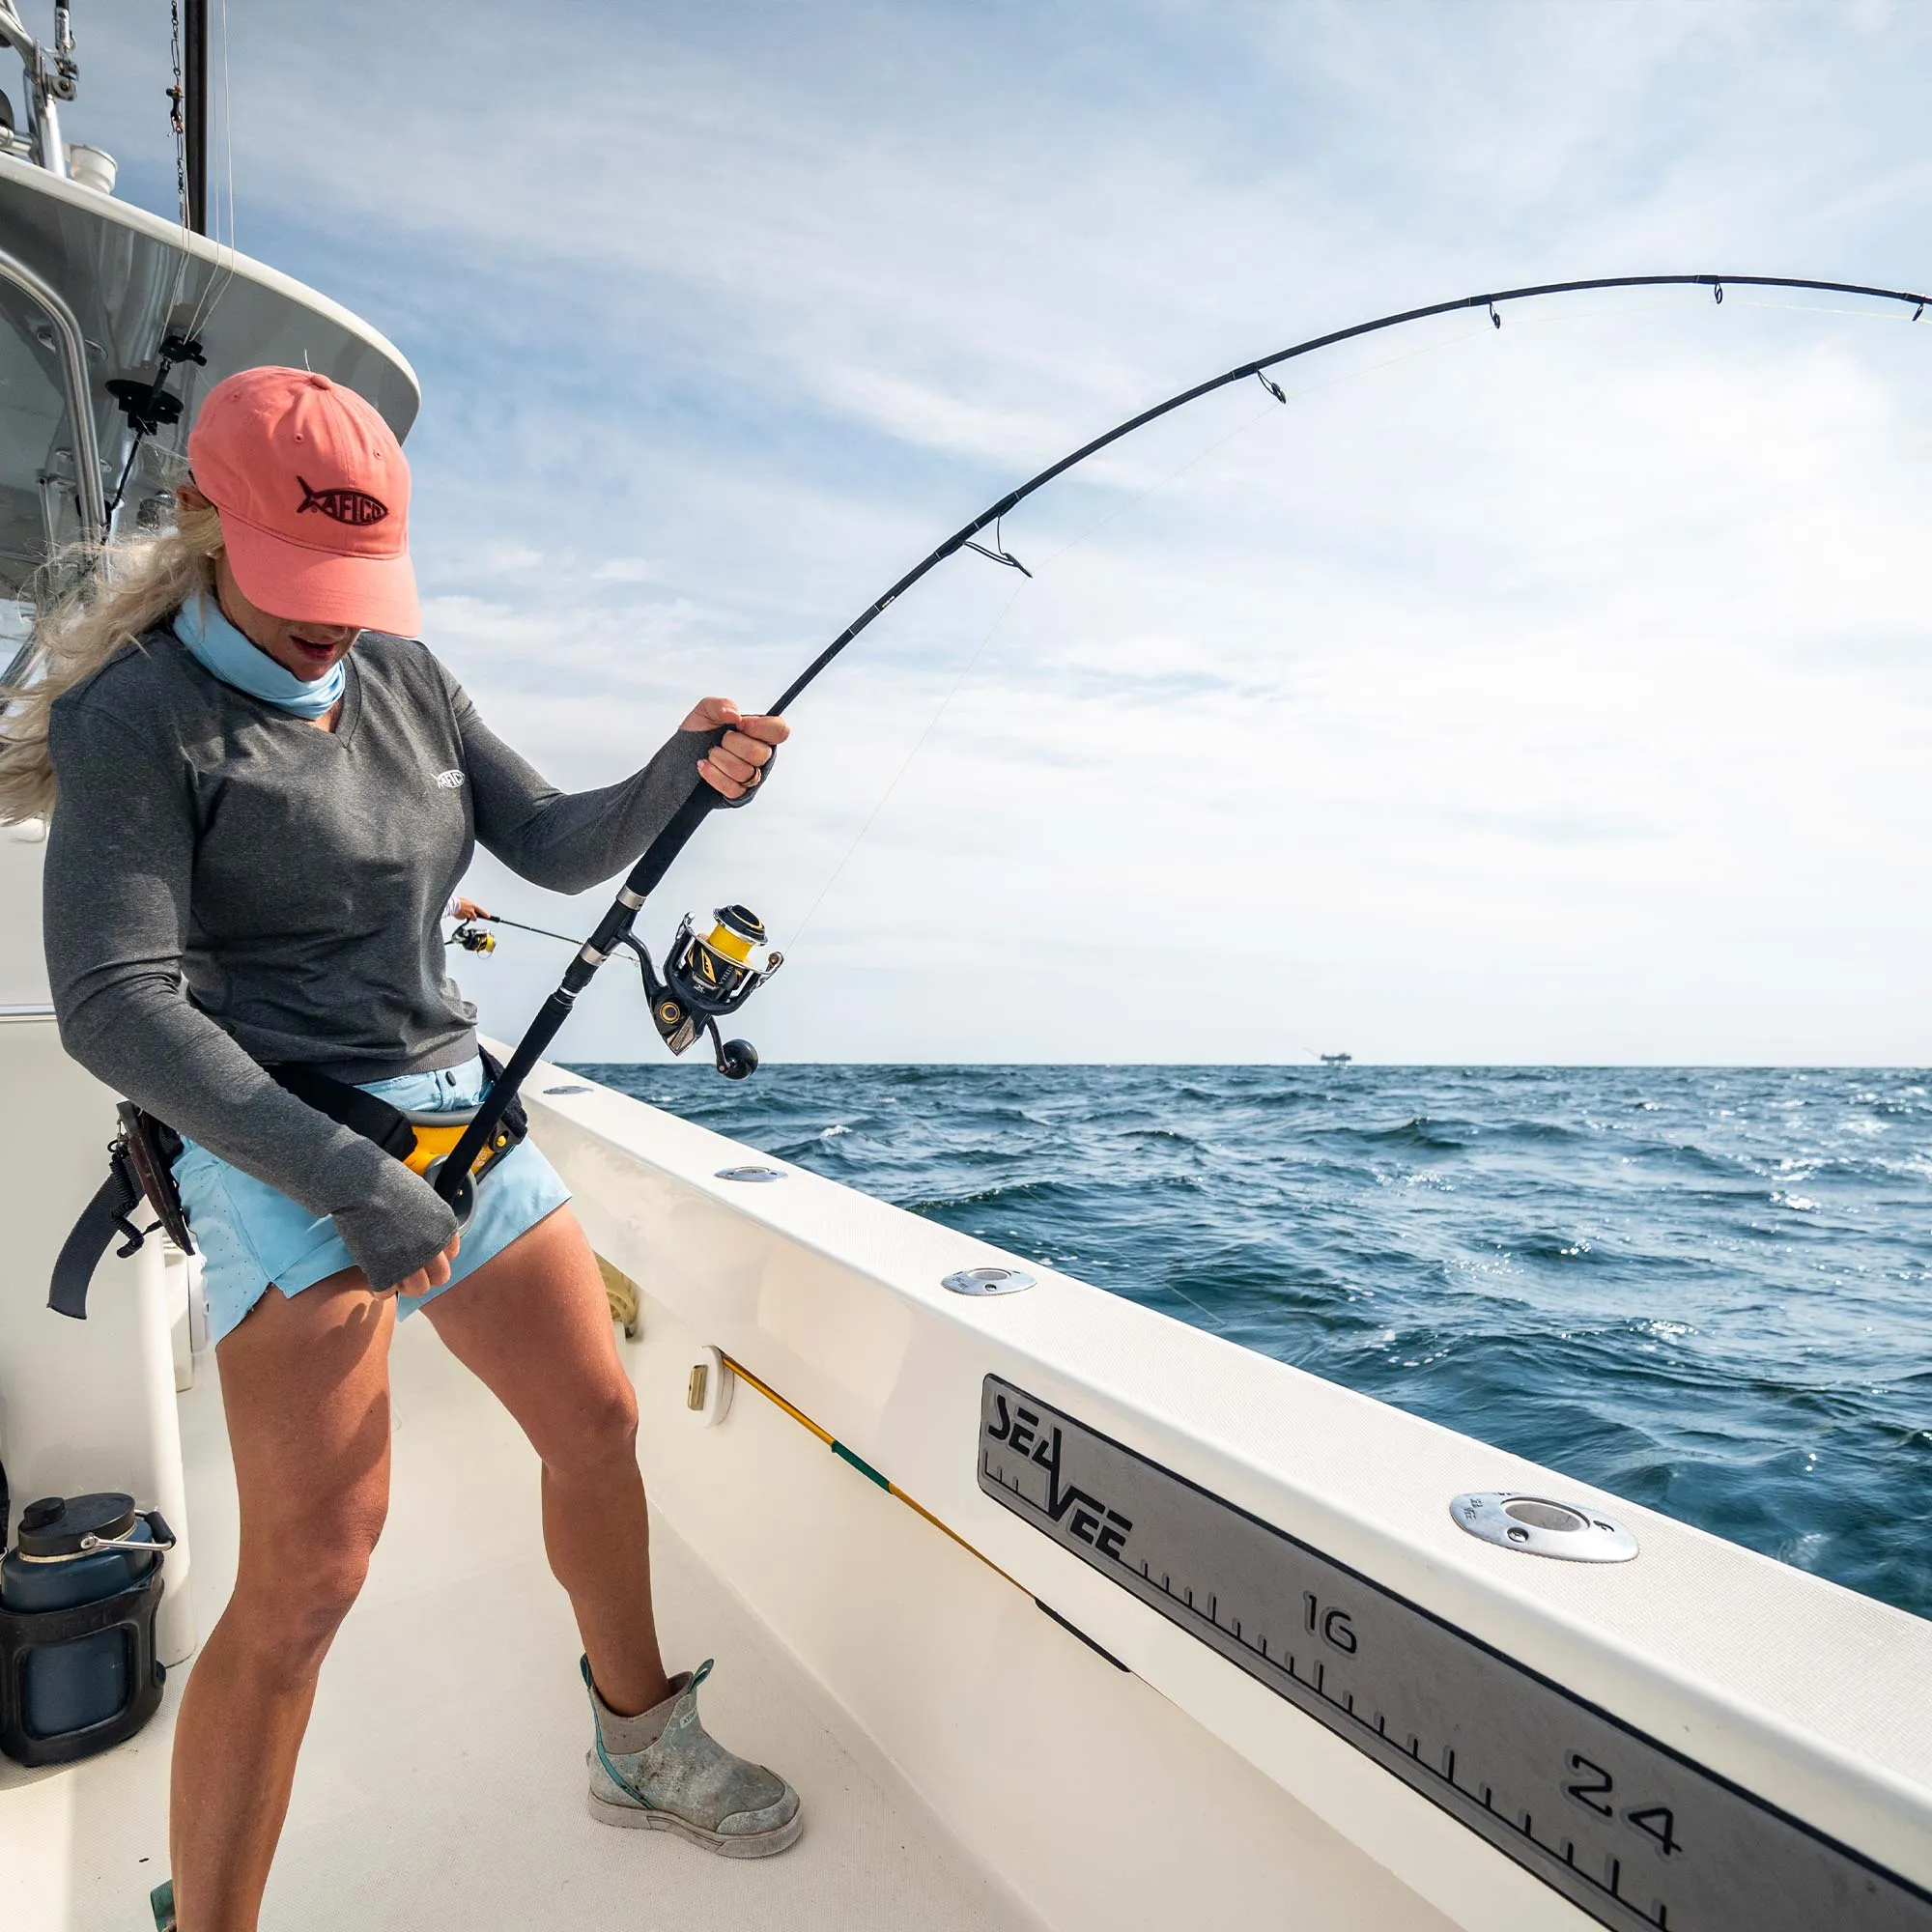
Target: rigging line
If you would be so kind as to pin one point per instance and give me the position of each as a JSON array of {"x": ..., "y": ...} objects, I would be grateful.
[
  {"x": 220, "y": 275},
  {"x": 177, "y": 122},
  {"x": 218, "y": 289},
  {"x": 1246, "y": 370}
]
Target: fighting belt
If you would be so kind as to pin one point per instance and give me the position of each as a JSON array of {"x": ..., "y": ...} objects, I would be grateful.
[{"x": 141, "y": 1157}]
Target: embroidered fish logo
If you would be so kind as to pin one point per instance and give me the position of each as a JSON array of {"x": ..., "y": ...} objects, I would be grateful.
[{"x": 347, "y": 506}]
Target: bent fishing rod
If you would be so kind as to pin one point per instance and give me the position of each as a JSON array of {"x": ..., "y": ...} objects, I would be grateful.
[{"x": 706, "y": 978}]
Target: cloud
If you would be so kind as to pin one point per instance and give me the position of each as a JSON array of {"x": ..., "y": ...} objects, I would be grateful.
[{"x": 1552, "y": 693}]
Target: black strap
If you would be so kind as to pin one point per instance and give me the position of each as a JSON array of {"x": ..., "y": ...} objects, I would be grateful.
[
  {"x": 118, "y": 1196},
  {"x": 373, "y": 1118},
  {"x": 101, "y": 1220},
  {"x": 350, "y": 1107}
]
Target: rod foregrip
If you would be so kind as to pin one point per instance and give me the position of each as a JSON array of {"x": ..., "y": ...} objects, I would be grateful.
[{"x": 669, "y": 842}]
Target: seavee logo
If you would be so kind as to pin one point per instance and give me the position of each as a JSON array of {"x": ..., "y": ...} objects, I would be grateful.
[
  {"x": 1631, "y": 1832},
  {"x": 1091, "y": 1520}
]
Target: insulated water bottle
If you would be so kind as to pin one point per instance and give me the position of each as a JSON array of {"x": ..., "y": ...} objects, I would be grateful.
[{"x": 78, "y": 1594}]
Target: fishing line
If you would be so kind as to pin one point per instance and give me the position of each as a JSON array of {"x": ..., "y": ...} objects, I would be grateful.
[
  {"x": 979, "y": 650},
  {"x": 1260, "y": 416},
  {"x": 1814, "y": 308},
  {"x": 1477, "y": 334},
  {"x": 1283, "y": 397},
  {"x": 919, "y": 744},
  {"x": 615, "y": 929},
  {"x": 1277, "y": 398}
]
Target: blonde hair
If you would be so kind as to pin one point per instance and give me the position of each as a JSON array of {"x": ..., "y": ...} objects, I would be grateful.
[{"x": 96, "y": 600}]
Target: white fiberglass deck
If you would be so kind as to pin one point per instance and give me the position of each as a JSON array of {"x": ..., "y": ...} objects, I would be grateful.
[
  {"x": 956, "y": 1749},
  {"x": 442, "y": 1782}
]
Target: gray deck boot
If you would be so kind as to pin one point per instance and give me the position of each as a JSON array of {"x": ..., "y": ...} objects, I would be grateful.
[{"x": 661, "y": 1770}]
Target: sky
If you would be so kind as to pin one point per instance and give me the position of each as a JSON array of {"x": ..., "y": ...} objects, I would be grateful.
[{"x": 1552, "y": 694}]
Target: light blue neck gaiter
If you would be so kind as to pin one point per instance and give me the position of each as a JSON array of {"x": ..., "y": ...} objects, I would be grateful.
[{"x": 224, "y": 650}]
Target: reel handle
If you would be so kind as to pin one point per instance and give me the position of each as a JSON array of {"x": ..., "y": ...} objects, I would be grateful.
[{"x": 736, "y": 1059}]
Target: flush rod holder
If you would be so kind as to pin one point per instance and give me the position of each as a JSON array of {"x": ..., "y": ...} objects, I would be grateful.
[{"x": 1541, "y": 1526}]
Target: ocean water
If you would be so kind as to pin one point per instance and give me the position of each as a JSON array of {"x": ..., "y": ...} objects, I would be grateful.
[{"x": 1706, "y": 1291}]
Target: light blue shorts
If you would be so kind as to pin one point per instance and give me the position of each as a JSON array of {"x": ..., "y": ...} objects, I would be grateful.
[{"x": 252, "y": 1235}]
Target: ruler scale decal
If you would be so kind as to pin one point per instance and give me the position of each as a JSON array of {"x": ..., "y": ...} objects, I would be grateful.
[{"x": 1639, "y": 1836}]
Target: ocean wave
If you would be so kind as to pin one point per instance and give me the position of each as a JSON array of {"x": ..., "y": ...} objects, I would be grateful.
[{"x": 1700, "y": 1289}]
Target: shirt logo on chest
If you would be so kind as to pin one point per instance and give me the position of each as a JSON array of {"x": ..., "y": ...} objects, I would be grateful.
[{"x": 450, "y": 781}]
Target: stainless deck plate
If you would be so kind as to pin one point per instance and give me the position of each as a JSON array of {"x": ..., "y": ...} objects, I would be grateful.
[
  {"x": 1639, "y": 1837},
  {"x": 987, "y": 1281}
]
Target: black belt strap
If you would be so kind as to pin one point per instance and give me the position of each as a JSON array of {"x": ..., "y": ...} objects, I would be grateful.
[
  {"x": 350, "y": 1107},
  {"x": 373, "y": 1118}
]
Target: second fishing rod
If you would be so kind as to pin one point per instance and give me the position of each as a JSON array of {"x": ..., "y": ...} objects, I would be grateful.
[{"x": 706, "y": 979}]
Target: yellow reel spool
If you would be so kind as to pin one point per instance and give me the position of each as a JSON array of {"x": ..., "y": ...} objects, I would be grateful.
[{"x": 735, "y": 945}]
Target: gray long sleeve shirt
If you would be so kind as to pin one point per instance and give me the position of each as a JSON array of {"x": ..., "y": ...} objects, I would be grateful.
[{"x": 228, "y": 886}]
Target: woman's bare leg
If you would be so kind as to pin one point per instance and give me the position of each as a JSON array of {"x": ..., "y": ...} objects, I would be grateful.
[
  {"x": 305, "y": 1384},
  {"x": 534, "y": 1325}
]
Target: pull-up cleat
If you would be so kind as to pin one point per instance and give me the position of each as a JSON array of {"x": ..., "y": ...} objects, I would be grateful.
[{"x": 661, "y": 1770}]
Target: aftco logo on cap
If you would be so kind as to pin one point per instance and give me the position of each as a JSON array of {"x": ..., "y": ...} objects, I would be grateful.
[{"x": 346, "y": 506}]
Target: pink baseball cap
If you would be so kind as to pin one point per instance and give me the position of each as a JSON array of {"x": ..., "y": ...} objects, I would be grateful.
[{"x": 314, "y": 494}]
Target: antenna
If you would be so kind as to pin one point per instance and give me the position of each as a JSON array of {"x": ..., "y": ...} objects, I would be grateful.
[{"x": 194, "y": 62}]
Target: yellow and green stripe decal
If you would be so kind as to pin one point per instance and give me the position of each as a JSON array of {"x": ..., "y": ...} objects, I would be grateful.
[{"x": 865, "y": 1468}]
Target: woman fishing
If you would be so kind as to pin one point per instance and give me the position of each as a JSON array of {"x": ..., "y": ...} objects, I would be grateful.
[{"x": 261, "y": 794}]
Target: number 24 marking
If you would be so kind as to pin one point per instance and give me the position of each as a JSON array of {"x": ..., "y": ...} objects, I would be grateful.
[{"x": 1655, "y": 1821}]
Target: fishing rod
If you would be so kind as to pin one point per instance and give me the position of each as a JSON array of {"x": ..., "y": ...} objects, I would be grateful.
[
  {"x": 705, "y": 980},
  {"x": 470, "y": 940}
]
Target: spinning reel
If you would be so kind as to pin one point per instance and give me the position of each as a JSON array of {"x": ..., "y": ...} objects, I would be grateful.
[{"x": 706, "y": 978}]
